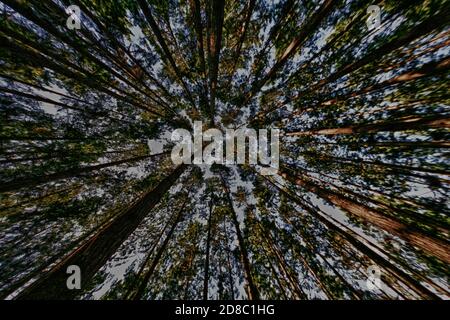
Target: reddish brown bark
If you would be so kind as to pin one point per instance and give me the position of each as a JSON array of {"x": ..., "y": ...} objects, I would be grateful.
[{"x": 96, "y": 251}]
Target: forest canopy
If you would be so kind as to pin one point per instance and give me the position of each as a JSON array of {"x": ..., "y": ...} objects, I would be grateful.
[{"x": 357, "y": 208}]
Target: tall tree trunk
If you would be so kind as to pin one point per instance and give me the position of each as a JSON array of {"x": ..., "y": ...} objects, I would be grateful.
[
  {"x": 285, "y": 270},
  {"x": 34, "y": 181},
  {"x": 438, "y": 144},
  {"x": 418, "y": 31},
  {"x": 316, "y": 252},
  {"x": 27, "y": 12},
  {"x": 196, "y": 13},
  {"x": 167, "y": 54},
  {"x": 215, "y": 39},
  {"x": 359, "y": 162},
  {"x": 305, "y": 31},
  {"x": 429, "y": 69},
  {"x": 407, "y": 123},
  {"x": 143, "y": 284},
  {"x": 383, "y": 201},
  {"x": 253, "y": 291},
  {"x": 208, "y": 245},
  {"x": 37, "y": 58},
  {"x": 359, "y": 243},
  {"x": 229, "y": 266},
  {"x": 237, "y": 54},
  {"x": 119, "y": 47},
  {"x": 131, "y": 291},
  {"x": 429, "y": 245},
  {"x": 63, "y": 155},
  {"x": 96, "y": 251}
]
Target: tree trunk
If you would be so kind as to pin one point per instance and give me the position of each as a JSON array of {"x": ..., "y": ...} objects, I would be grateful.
[
  {"x": 251, "y": 7},
  {"x": 407, "y": 123},
  {"x": 215, "y": 44},
  {"x": 253, "y": 291},
  {"x": 34, "y": 181},
  {"x": 140, "y": 291},
  {"x": 96, "y": 251},
  {"x": 208, "y": 245},
  {"x": 359, "y": 243},
  {"x": 431, "y": 246},
  {"x": 157, "y": 32},
  {"x": 311, "y": 25}
]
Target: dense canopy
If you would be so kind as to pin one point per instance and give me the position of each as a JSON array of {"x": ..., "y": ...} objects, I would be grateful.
[{"x": 86, "y": 177}]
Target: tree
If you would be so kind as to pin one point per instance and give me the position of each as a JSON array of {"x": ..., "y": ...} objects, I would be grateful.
[{"x": 86, "y": 121}]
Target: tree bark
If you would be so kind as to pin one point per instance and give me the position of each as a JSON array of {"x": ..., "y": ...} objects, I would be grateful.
[
  {"x": 433, "y": 247},
  {"x": 34, "y": 181},
  {"x": 407, "y": 123},
  {"x": 207, "y": 253},
  {"x": 359, "y": 243},
  {"x": 143, "y": 284},
  {"x": 215, "y": 44},
  {"x": 168, "y": 55},
  {"x": 311, "y": 25},
  {"x": 253, "y": 291},
  {"x": 96, "y": 251}
]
